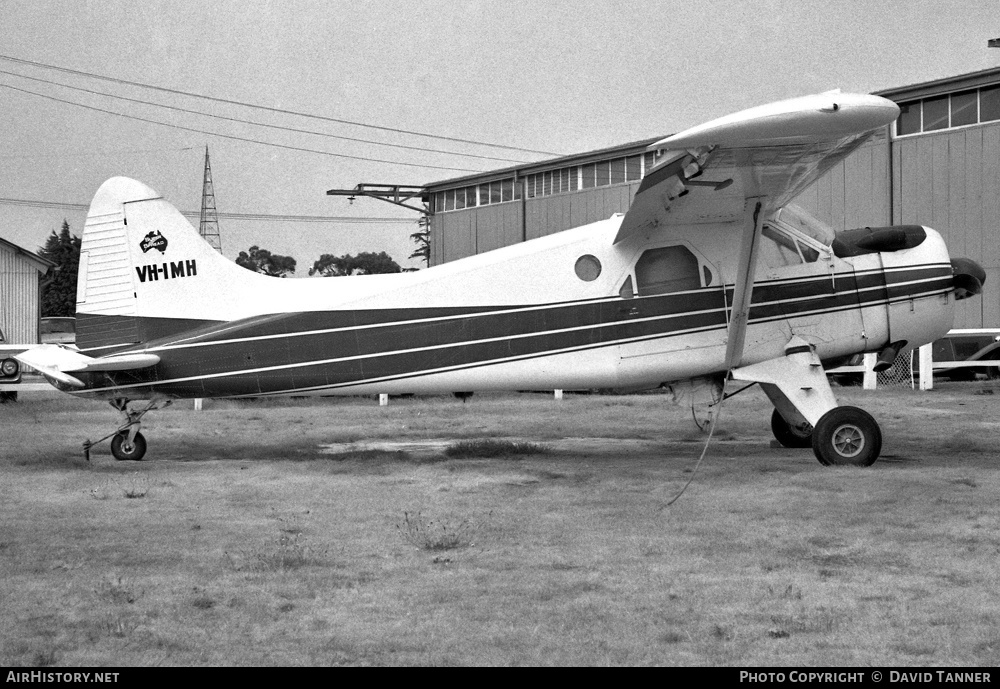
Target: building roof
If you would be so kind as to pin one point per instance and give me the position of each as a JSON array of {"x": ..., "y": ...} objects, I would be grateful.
[
  {"x": 523, "y": 169},
  {"x": 42, "y": 265},
  {"x": 938, "y": 87}
]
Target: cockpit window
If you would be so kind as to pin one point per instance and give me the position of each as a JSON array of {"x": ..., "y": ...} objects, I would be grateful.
[
  {"x": 798, "y": 219},
  {"x": 669, "y": 269},
  {"x": 781, "y": 248}
]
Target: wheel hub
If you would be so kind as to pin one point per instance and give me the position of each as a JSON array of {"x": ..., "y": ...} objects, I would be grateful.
[{"x": 848, "y": 440}]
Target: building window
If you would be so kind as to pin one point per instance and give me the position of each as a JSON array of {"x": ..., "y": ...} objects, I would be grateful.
[
  {"x": 989, "y": 104},
  {"x": 648, "y": 162},
  {"x": 935, "y": 113},
  {"x": 964, "y": 108},
  {"x": 568, "y": 179},
  {"x": 958, "y": 109},
  {"x": 617, "y": 170},
  {"x": 909, "y": 118},
  {"x": 565, "y": 179},
  {"x": 603, "y": 173},
  {"x": 633, "y": 168}
]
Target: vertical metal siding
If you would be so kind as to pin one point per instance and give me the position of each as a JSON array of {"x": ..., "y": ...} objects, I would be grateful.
[
  {"x": 855, "y": 192},
  {"x": 18, "y": 298},
  {"x": 951, "y": 181},
  {"x": 457, "y": 234}
]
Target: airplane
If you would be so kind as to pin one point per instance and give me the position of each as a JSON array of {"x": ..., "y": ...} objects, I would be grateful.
[{"x": 712, "y": 275}]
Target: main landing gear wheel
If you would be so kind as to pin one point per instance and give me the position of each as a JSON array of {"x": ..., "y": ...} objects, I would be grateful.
[
  {"x": 790, "y": 435},
  {"x": 847, "y": 436},
  {"x": 125, "y": 451}
]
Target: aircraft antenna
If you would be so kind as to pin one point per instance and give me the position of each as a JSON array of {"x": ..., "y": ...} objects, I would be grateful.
[{"x": 209, "y": 226}]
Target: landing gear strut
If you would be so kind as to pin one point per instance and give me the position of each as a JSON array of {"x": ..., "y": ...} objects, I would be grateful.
[
  {"x": 791, "y": 435},
  {"x": 806, "y": 413},
  {"x": 128, "y": 444}
]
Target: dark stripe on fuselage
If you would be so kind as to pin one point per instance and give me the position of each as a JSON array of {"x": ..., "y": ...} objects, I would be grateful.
[{"x": 285, "y": 352}]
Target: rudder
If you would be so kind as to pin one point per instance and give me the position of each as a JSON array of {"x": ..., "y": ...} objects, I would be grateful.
[{"x": 145, "y": 272}]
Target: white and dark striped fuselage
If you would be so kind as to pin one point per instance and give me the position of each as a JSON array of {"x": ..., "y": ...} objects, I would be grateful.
[{"x": 517, "y": 318}]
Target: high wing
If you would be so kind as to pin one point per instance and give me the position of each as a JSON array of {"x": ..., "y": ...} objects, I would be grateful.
[
  {"x": 772, "y": 152},
  {"x": 56, "y": 362},
  {"x": 741, "y": 168}
]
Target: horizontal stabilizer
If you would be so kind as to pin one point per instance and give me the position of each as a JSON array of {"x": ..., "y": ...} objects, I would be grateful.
[{"x": 56, "y": 362}]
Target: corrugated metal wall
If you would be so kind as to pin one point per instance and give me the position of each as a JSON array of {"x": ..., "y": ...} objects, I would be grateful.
[
  {"x": 457, "y": 234},
  {"x": 18, "y": 298},
  {"x": 549, "y": 214},
  {"x": 855, "y": 192},
  {"x": 950, "y": 181}
]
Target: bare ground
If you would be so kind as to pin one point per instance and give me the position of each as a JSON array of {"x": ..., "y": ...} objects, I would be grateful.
[{"x": 330, "y": 532}]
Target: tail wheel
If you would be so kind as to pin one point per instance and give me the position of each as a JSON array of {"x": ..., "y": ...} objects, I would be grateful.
[
  {"x": 847, "y": 436},
  {"x": 790, "y": 435},
  {"x": 128, "y": 452}
]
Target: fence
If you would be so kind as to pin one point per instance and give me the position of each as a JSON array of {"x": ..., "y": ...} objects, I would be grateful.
[{"x": 921, "y": 376}]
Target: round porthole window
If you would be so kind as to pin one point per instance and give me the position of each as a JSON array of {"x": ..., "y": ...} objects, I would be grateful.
[{"x": 588, "y": 268}]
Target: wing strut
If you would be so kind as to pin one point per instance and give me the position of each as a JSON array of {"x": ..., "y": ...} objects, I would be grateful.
[{"x": 739, "y": 314}]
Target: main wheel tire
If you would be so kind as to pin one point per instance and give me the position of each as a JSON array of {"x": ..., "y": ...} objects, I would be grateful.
[
  {"x": 789, "y": 435},
  {"x": 124, "y": 452},
  {"x": 847, "y": 436}
]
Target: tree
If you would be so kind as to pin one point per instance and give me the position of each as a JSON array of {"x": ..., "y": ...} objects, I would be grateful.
[
  {"x": 59, "y": 287},
  {"x": 365, "y": 263},
  {"x": 422, "y": 238},
  {"x": 263, "y": 261}
]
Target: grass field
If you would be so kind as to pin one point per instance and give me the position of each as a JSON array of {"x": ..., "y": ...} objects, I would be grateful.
[{"x": 242, "y": 540}]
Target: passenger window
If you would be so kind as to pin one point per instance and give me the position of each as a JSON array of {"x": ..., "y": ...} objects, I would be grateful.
[{"x": 670, "y": 269}]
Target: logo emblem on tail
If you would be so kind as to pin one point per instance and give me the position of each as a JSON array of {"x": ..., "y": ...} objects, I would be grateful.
[{"x": 153, "y": 240}]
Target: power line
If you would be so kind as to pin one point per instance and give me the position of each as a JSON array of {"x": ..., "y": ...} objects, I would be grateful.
[
  {"x": 257, "y": 124},
  {"x": 237, "y": 138},
  {"x": 57, "y": 205},
  {"x": 96, "y": 154},
  {"x": 163, "y": 89}
]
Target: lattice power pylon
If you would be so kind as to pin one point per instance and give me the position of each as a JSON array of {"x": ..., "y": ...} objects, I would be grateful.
[{"x": 209, "y": 226}]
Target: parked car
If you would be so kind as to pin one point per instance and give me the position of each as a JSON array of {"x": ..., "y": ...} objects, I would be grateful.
[
  {"x": 950, "y": 348},
  {"x": 967, "y": 348},
  {"x": 10, "y": 369}
]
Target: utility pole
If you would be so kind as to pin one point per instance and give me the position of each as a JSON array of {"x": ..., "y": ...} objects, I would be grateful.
[{"x": 209, "y": 226}]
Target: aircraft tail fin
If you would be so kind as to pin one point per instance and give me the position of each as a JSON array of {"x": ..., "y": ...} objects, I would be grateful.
[{"x": 145, "y": 272}]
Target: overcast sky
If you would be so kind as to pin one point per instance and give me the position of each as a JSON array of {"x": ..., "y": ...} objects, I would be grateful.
[{"x": 550, "y": 76}]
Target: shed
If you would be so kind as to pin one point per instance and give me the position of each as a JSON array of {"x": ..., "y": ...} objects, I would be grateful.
[{"x": 20, "y": 293}]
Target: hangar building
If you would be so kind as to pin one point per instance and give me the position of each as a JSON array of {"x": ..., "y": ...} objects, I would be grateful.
[
  {"x": 20, "y": 293},
  {"x": 937, "y": 165}
]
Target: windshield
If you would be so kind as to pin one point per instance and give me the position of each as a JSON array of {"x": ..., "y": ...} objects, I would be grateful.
[{"x": 796, "y": 218}]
